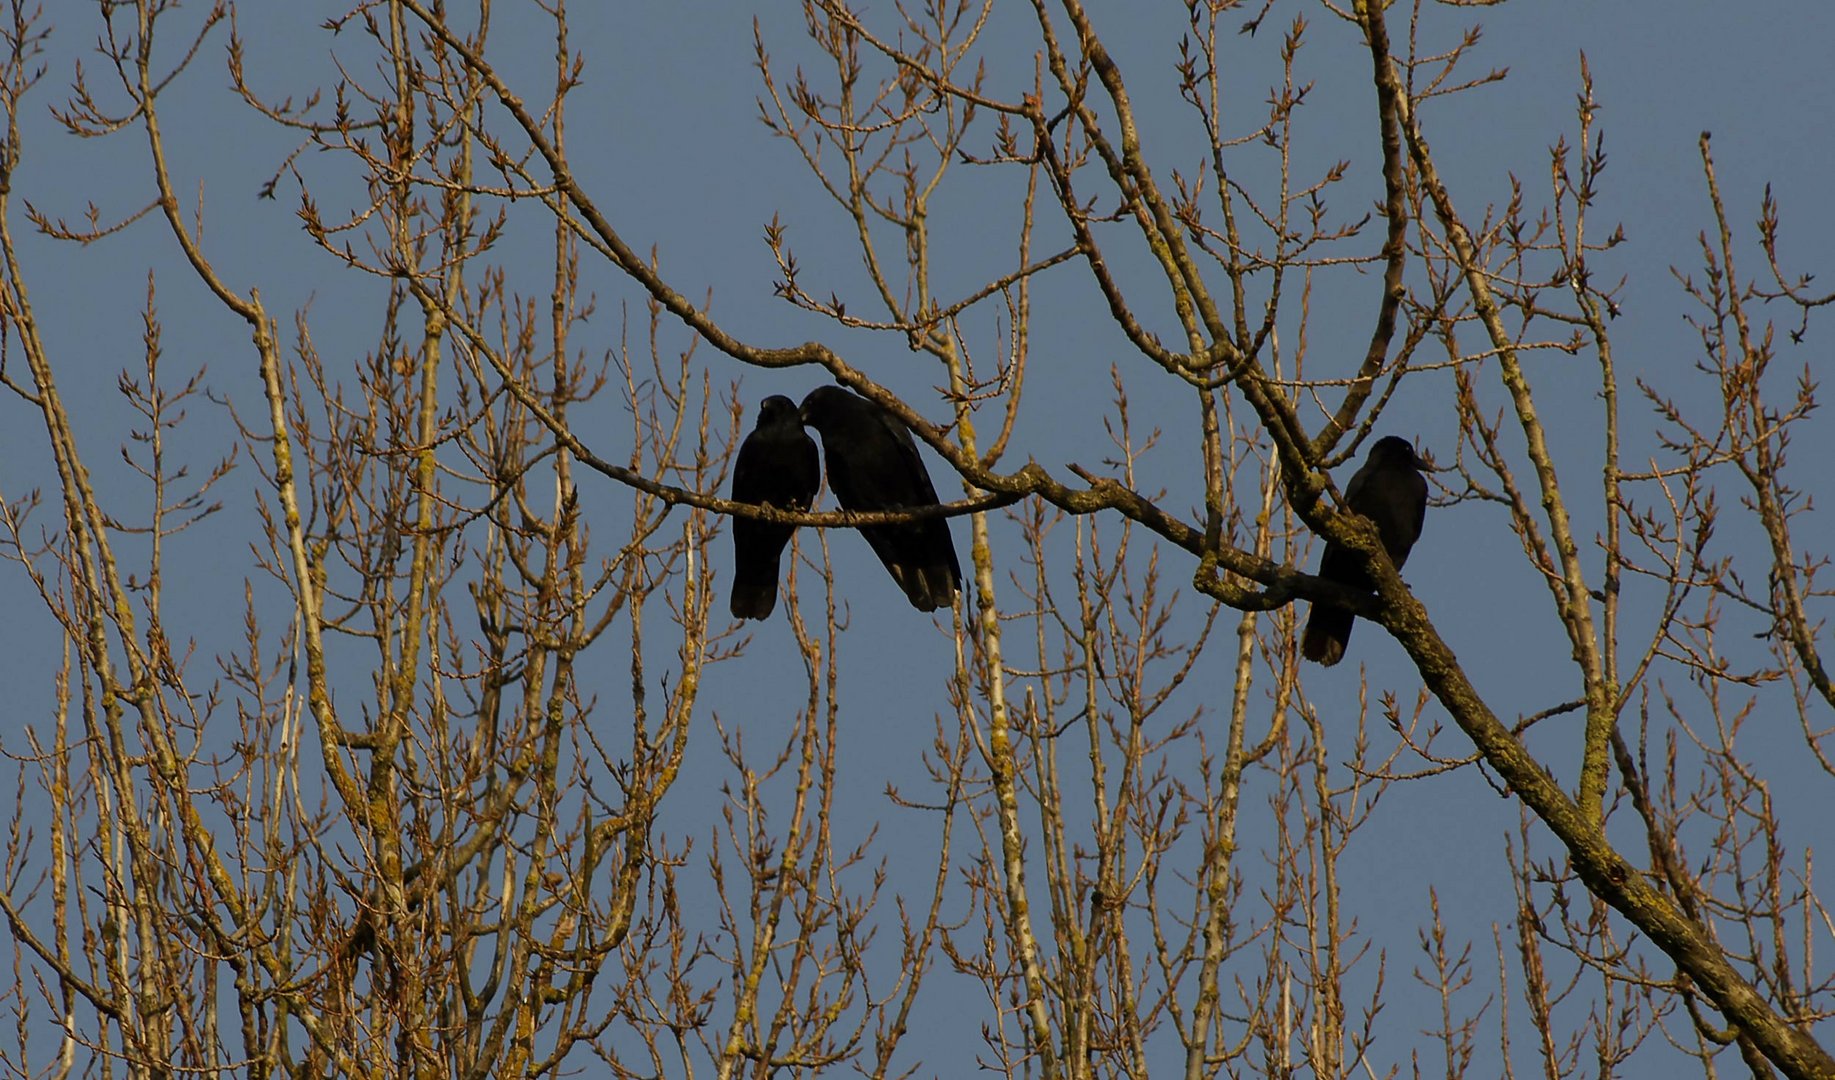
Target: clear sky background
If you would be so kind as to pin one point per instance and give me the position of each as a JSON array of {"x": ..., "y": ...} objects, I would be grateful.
[{"x": 665, "y": 132}]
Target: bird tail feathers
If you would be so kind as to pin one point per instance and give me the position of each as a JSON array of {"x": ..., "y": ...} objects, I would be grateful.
[
  {"x": 927, "y": 587},
  {"x": 1328, "y": 631},
  {"x": 753, "y": 601}
]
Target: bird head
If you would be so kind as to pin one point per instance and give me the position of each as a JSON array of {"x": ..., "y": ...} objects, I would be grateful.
[
  {"x": 775, "y": 410},
  {"x": 1395, "y": 450},
  {"x": 826, "y": 404}
]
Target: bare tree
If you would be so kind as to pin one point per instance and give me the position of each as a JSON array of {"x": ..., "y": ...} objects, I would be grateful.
[{"x": 389, "y": 824}]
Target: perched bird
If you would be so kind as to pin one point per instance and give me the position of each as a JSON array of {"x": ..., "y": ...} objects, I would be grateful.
[
  {"x": 1389, "y": 490},
  {"x": 873, "y": 464},
  {"x": 777, "y": 466}
]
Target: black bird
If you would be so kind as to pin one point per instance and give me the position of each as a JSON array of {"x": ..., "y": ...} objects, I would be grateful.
[
  {"x": 873, "y": 464},
  {"x": 1389, "y": 490},
  {"x": 777, "y": 466}
]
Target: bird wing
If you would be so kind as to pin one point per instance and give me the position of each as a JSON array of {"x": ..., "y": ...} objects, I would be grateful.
[
  {"x": 1394, "y": 497},
  {"x": 777, "y": 467},
  {"x": 906, "y": 482}
]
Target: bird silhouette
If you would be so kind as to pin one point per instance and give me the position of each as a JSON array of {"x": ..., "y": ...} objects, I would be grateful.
[
  {"x": 777, "y": 466},
  {"x": 1389, "y": 490},
  {"x": 873, "y": 464}
]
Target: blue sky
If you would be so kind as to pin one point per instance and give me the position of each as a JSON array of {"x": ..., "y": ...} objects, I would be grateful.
[{"x": 664, "y": 132}]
